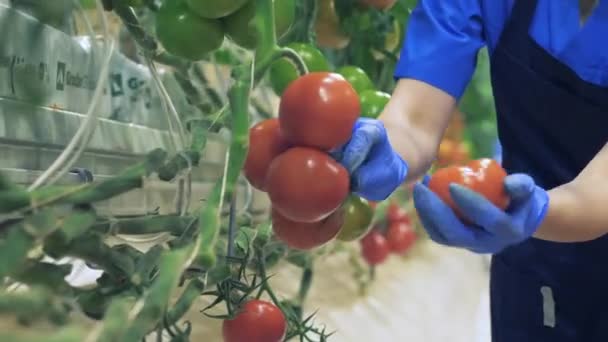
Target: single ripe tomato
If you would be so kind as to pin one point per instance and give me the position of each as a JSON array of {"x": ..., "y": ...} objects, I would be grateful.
[
  {"x": 180, "y": 30},
  {"x": 400, "y": 237},
  {"x": 265, "y": 144},
  {"x": 306, "y": 236},
  {"x": 357, "y": 78},
  {"x": 397, "y": 214},
  {"x": 283, "y": 72},
  {"x": 375, "y": 248},
  {"x": 257, "y": 321},
  {"x": 379, "y": 4},
  {"x": 319, "y": 110},
  {"x": 240, "y": 25},
  {"x": 484, "y": 176},
  {"x": 214, "y": 9},
  {"x": 358, "y": 215},
  {"x": 373, "y": 103},
  {"x": 306, "y": 185}
]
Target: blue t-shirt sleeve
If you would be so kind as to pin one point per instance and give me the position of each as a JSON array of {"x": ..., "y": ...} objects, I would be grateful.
[{"x": 441, "y": 44}]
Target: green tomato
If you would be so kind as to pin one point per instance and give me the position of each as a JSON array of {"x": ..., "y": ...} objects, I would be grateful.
[
  {"x": 215, "y": 9},
  {"x": 357, "y": 78},
  {"x": 283, "y": 72},
  {"x": 240, "y": 26},
  {"x": 358, "y": 215},
  {"x": 373, "y": 102},
  {"x": 185, "y": 34}
]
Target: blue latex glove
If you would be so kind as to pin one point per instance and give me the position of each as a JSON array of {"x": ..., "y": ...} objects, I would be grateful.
[
  {"x": 493, "y": 229},
  {"x": 376, "y": 170}
]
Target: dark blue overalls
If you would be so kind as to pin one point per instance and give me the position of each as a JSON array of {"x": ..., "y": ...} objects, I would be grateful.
[{"x": 551, "y": 124}]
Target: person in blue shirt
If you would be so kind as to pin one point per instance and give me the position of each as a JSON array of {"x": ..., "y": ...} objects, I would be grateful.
[{"x": 549, "y": 67}]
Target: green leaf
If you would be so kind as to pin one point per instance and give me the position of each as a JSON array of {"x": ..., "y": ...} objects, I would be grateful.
[{"x": 245, "y": 238}]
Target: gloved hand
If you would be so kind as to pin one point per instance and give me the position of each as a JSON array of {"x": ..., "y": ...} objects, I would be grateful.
[
  {"x": 376, "y": 170},
  {"x": 493, "y": 229}
]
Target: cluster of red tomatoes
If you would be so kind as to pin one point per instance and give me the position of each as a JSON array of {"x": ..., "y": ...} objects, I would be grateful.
[
  {"x": 288, "y": 158},
  {"x": 396, "y": 236}
]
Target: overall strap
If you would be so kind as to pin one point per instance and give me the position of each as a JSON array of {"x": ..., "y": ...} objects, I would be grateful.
[{"x": 519, "y": 23}]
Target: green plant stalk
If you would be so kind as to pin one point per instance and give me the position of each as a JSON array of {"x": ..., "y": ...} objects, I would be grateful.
[
  {"x": 173, "y": 224},
  {"x": 114, "y": 325},
  {"x": 193, "y": 291},
  {"x": 267, "y": 50},
  {"x": 69, "y": 334},
  {"x": 210, "y": 215},
  {"x": 33, "y": 304},
  {"x": 45, "y": 275},
  {"x": 91, "y": 248},
  {"x": 157, "y": 298},
  {"x": 22, "y": 237},
  {"x": 265, "y": 25},
  {"x": 83, "y": 194},
  {"x": 146, "y": 265},
  {"x": 177, "y": 163},
  {"x": 305, "y": 283}
]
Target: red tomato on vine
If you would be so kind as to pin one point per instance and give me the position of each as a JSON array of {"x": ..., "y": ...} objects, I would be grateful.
[
  {"x": 375, "y": 248},
  {"x": 306, "y": 236},
  {"x": 401, "y": 237},
  {"x": 257, "y": 321},
  {"x": 397, "y": 214},
  {"x": 306, "y": 185},
  {"x": 319, "y": 110},
  {"x": 265, "y": 144}
]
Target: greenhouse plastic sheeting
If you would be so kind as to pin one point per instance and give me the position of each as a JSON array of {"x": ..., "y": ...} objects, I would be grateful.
[{"x": 43, "y": 65}]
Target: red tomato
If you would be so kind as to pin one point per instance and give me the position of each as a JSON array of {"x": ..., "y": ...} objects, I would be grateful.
[
  {"x": 397, "y": 214},
  {"x": 265, "y": 143},
  {"x": 258, "y": 321},
  {"x": 306, "y": 236},
  {"x": 484, "y": 176},
  {"x": 400, "y": 236},
  {"x": 306, "y": 185},
  {"x": 379, "y": 4},
  {"x": 319, "y": 110},
  {"x": 375, "y": 248}
]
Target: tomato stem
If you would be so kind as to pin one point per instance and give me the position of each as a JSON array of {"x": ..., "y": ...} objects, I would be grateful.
[
  {"x": 225, "y": 187},
  {"x": 265, "y": 24},
  {"x": 305, "y": 283},
  {"x": 193, "y": 290}
]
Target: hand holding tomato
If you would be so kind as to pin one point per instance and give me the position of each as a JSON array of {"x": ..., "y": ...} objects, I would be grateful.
[
  {"x": 491, "y": 228},
  {"x": 376, "y": 169}
]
